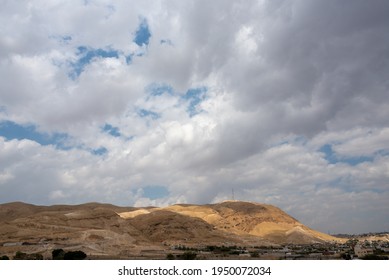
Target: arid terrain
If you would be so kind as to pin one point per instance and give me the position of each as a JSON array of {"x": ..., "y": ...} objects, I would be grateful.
[{"x": 110, "y": 232}]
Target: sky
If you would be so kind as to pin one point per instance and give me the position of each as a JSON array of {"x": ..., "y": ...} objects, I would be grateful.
[{"x": 142, "y": 103}]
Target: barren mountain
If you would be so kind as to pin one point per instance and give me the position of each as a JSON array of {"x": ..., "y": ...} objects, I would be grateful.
[{"x": 126, "y": 232}]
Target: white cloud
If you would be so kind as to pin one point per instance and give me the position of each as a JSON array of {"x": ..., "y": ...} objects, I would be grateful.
[
  {"x": 5, "y": 176},
  {"x": 366, "y": 144},
  {"x": 282, "y": 80}
]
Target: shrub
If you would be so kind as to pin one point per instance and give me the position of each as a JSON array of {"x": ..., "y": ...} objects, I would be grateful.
[
  {"x": 20, "y": 256},
  {"x": 23, "y": 256},
  {"x": 254, "y": 254},
  {"x": 74, "y": 255},
  {"x": 35, "y": 257},
  {"x": 58, "y": 254},
  {"x": 345, "y": 256},
  {"x": 188, "y": 256},
  {"x": 374, "y": 257}
]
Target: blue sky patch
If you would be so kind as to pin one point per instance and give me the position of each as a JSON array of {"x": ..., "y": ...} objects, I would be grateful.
[
  {"x": 62, "y": 39},
  {"x": 329, "y": 154},
  {"x": 100, "y": 151},
  {"x": 66, "y": 39},
  {"x": 147, "y": 113},
  {"x": 129, "y": 58},
  {"x": 154, "y": 192},
  {"x": 86, "y": 55},
  {"x": 156, "y": 89},
  {"x": 111, "y": 130},
  {"x": 11, "y": 130},
  {"x": 142, "y": 34},
  {"x": 357, "y": 160},
  {"x": 332, "y": 158},
  {"x": 195, "y": 96}
]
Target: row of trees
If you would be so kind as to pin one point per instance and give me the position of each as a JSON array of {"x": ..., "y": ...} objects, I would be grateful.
[
  {"x": 60, "y": 254},
  {"x": 57, "y": 254},
  {"x": 185, "y": 256}
]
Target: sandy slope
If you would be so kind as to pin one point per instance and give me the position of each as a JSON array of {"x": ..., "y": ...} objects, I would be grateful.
[{"x": 261, "y": 220}]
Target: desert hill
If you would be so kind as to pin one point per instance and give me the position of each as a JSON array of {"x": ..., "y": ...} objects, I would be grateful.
[
  {"x": 248, "y": 219},
  {"x": 125, "y": 232}
]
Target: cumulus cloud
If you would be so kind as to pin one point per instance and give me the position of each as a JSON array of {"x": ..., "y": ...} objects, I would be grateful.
[{"x": 285, "y": 102}]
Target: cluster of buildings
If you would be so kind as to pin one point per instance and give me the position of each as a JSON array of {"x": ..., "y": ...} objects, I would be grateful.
[{"x": 352, "y": 249}]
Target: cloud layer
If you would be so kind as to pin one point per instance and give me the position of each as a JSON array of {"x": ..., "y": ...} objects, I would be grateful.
[{"x": 160, "y": 102}]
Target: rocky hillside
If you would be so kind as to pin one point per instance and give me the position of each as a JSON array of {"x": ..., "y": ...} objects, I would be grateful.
[
  {"x": 243, "y": 219},
  {"x": 124, "y": 232}
]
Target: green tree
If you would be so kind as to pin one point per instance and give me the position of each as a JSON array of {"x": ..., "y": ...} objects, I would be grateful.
[
  {"x": 254, "y": 254},
  {"x": 20, "y": 256},
  {"x": 74, "y": 255},
  {"x": 188, "y": 256},
  {"x": 345, "y": 256},
  {"x": 374, "y": 257},
  {"x": 23, "y": 256},
  {"x": 58, "y": 254}
]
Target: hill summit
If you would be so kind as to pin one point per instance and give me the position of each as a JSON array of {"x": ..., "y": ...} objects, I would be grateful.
[{"x": 122, "y": 232}]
